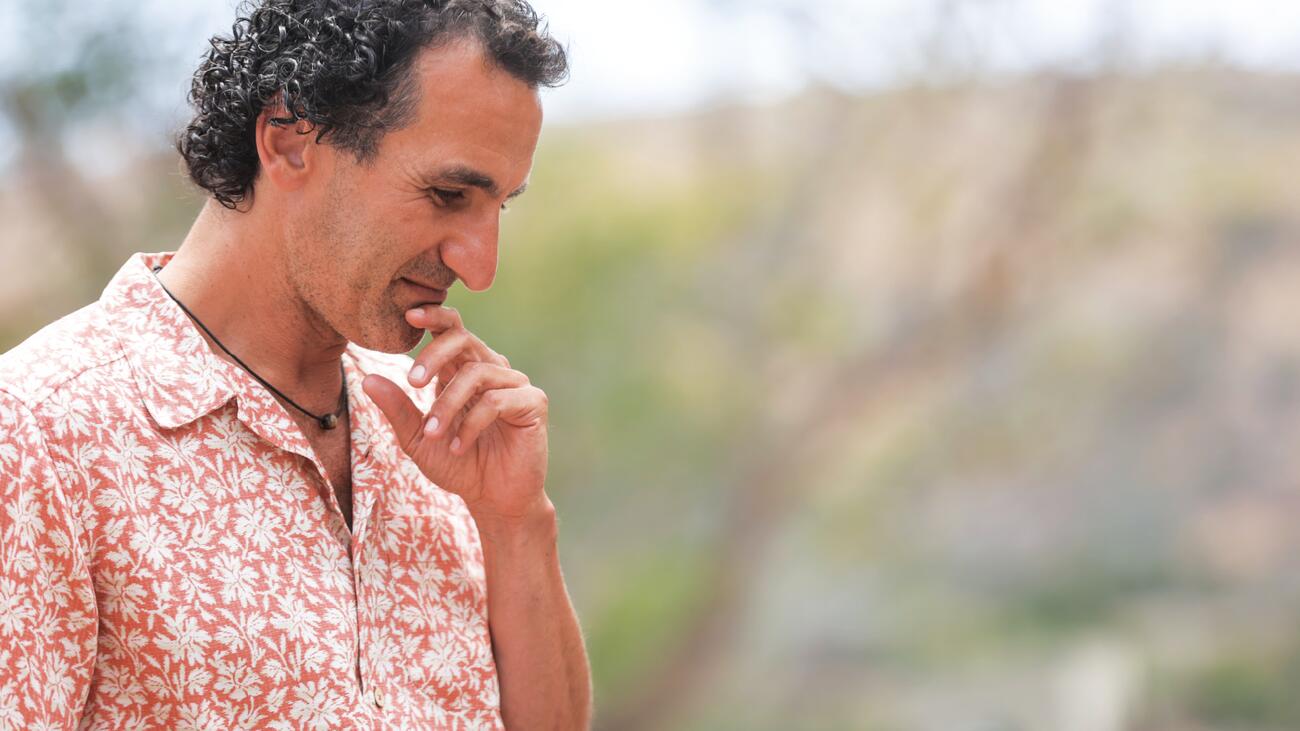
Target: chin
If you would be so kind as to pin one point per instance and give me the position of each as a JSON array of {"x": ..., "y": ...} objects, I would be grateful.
[{"x": 398, "y": 340}]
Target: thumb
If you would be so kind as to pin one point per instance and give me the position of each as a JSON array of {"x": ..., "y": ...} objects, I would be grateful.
[{"x": 397, "y": 407}]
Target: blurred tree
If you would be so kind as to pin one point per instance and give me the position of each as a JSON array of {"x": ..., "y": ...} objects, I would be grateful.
[
  {"x": 69, "y": 65},
  {"x": 814, "y": 397}
]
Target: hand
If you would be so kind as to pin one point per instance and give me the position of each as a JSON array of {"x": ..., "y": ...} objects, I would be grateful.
[{"x": 484, "y": 438}]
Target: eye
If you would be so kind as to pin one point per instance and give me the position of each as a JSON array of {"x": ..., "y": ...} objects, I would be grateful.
[{"x": 447, "y": 196}]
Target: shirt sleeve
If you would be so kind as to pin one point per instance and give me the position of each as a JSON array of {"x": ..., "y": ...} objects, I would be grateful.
[{"x": 48, "y": 619}]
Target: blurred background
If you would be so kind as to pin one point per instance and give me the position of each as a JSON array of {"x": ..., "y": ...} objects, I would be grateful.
[{"x": 917, "y": 364}]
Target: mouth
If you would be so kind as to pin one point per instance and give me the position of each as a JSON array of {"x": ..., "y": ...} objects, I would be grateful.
[{"x": 426, "y": 295}]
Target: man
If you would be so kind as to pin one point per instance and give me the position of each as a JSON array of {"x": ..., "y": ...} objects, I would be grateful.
[{"x": 228, "y": 500}]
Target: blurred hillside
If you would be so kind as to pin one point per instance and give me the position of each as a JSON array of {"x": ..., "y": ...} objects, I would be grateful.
[{"x": 948, "y": 407}]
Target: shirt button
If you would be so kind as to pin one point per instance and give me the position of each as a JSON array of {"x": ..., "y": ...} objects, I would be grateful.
[{"x": 379, "y": 699}]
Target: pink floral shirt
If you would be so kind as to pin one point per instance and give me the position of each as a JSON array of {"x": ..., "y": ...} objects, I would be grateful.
[{"x": 172, "y": 558}]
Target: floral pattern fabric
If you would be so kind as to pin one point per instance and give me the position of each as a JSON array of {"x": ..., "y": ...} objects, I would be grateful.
[{"x": 172, "y": 558}]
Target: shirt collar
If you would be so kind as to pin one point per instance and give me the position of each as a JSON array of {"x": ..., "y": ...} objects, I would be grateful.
[
  {"x": 181, "y": 379},
  {"x": 178, "y": 375}
]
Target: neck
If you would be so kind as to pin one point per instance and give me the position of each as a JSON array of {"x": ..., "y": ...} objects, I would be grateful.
[{"x": 231, "y": 274}]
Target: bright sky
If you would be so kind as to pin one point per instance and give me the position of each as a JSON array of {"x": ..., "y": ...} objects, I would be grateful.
[
  {"x": 638, "y": 58},
  {"x": 628, "y": 60},
  {"x": 633, "y": 58}
]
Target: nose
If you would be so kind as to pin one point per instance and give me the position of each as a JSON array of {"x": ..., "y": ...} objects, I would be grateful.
[{"x": 471, "y": 251}]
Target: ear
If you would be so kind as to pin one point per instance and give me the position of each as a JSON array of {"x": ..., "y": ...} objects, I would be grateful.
[{"x": 286, "y": 152}]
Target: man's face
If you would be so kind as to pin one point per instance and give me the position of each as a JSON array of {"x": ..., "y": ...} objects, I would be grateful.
[{"x": 372, "y": 240}]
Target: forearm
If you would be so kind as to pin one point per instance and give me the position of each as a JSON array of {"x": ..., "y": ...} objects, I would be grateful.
[{"x": 541, "y": 662}]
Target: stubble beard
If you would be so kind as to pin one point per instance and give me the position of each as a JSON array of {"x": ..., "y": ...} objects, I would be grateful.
[
  {"x": 371, "y": 319},
  {"x": 380, "y": 324},
  {"x": 398, "y": 336}
]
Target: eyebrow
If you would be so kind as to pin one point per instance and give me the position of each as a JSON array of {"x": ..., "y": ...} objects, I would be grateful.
[{"x": 468, "y": 176}]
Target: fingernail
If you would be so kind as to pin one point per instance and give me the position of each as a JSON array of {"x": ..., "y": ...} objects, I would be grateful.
[
  {"x": 455, "y": 444},
  {"x": 431, "y": 426},
  {"x": 417, "y": 374}
]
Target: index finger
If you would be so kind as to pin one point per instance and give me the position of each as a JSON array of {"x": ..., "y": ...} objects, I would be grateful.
[
  {"x": 434, "y": 318},
  {"x": 452, "y": 345}
]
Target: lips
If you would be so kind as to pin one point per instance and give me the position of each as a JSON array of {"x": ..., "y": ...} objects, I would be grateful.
[{"x": 427, "y": 294}]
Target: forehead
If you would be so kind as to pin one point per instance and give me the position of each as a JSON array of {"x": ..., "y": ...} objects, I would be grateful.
[{"x": 468, "y": 112}]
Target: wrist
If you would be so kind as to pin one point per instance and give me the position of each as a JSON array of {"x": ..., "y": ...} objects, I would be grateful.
[{"x": 536, "y": 520}]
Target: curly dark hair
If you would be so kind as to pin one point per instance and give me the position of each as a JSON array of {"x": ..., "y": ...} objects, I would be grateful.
[{"x": 343, "y": 66}]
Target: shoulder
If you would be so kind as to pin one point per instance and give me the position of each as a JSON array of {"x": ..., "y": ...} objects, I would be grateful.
[
  {"x": 57, "y": 355},
  {"x": 22, "y": 436},
  {"x": 25, "y": 460}
]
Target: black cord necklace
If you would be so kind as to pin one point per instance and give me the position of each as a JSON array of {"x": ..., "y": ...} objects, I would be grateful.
[{"x": 326, "y": 421}]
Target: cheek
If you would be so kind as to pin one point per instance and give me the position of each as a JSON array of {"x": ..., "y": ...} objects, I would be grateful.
[
  {"x": 324, "y": 234},
  {"x": 413, "y": 237}
]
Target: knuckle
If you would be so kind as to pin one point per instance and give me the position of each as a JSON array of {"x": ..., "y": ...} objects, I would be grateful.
[{"x": 495, "y": 357}]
